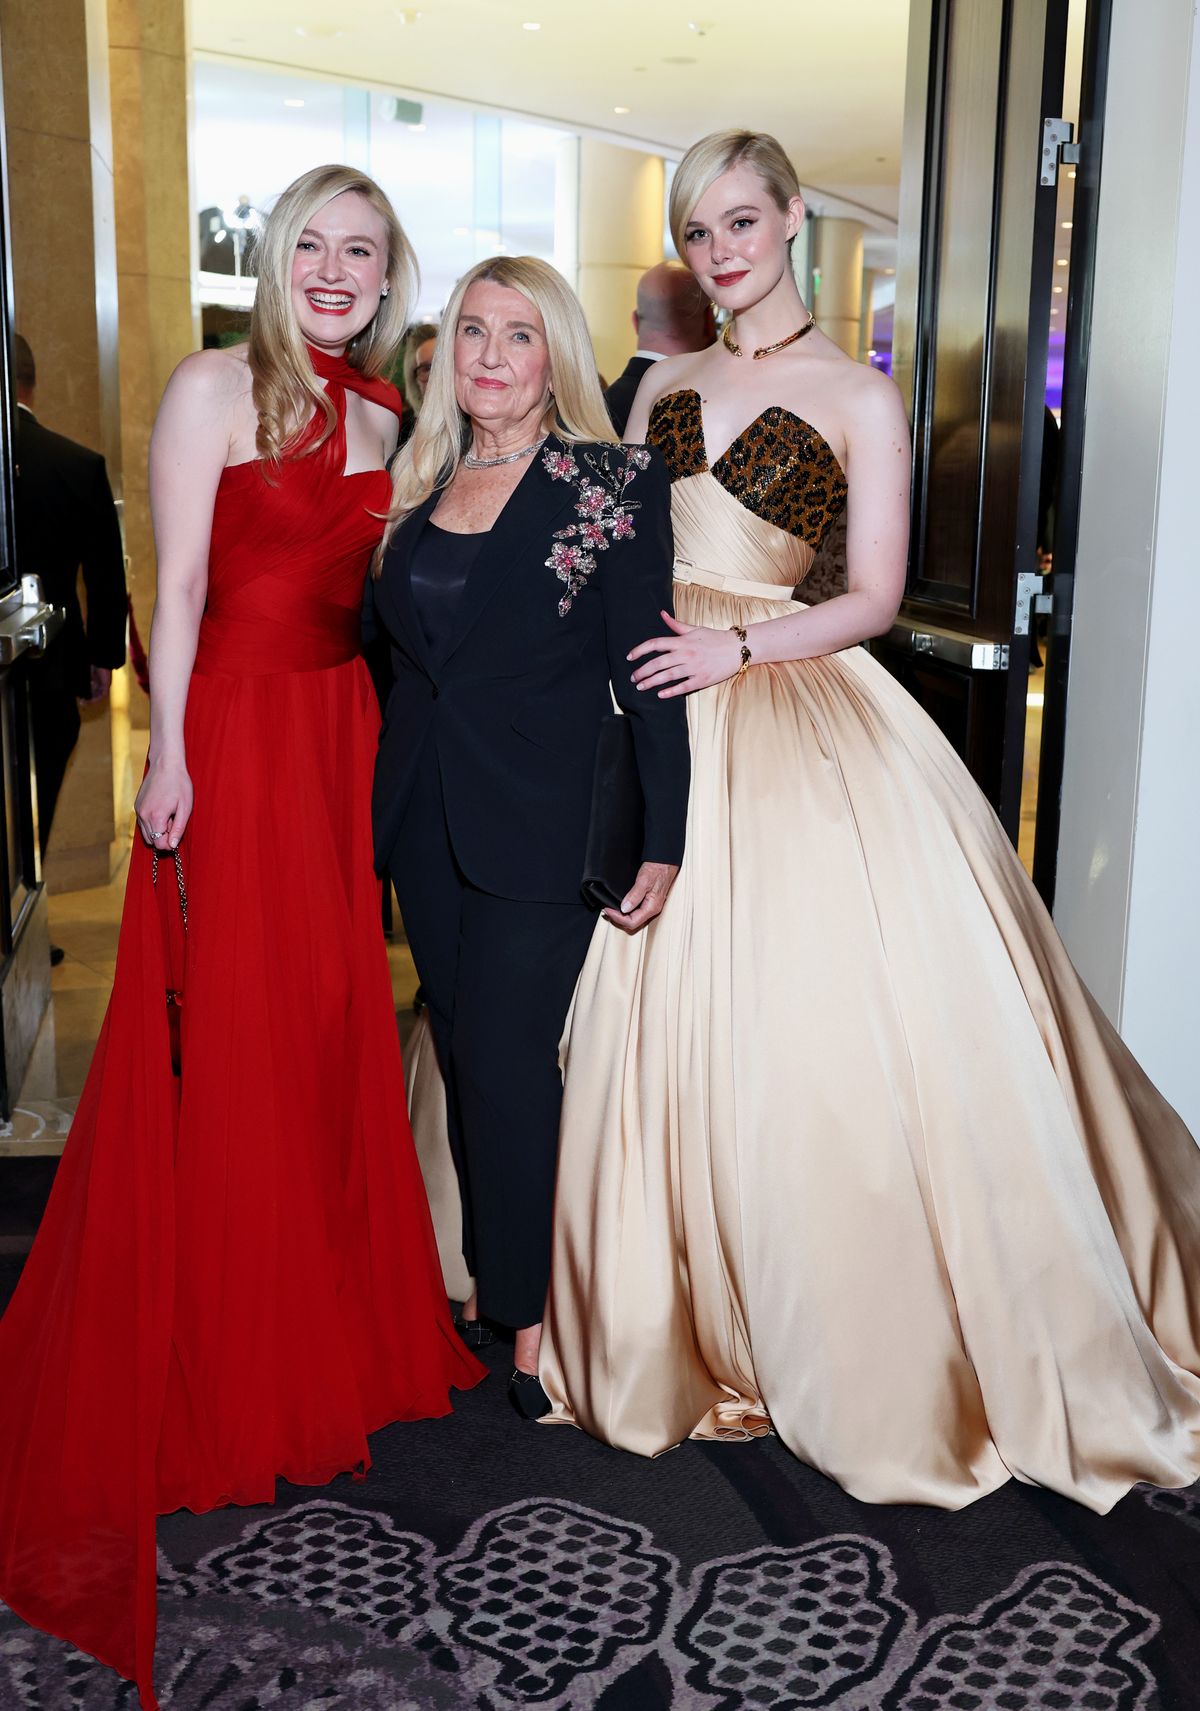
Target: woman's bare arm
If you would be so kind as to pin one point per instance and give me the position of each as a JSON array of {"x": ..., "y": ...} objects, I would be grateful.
[
  {"x": 188, "y": 450},
  {"x": 877, "y": 472}
]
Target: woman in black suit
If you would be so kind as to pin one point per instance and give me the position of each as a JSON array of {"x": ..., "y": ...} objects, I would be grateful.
[{"x": 526, "y": 554}]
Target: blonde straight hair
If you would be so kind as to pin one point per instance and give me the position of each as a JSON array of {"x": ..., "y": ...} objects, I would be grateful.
[
  {"x": 576, "y": 411},
  {"x": 286, "y": 392},
  {"x": 713, "y": 155}
]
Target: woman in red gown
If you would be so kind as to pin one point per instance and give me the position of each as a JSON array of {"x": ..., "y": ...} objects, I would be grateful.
[{"x": 236, "y": 1278}]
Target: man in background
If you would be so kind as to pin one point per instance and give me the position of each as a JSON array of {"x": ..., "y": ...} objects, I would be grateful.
[
  {"x": 66, "y": 521},
  {"x": 673, "y": 316}
]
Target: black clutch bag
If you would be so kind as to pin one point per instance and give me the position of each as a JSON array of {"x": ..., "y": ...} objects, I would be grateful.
[{"x": 617, "y": 825}]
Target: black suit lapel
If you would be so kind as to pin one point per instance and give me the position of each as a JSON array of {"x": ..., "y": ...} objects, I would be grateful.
[
  {"x": 523, "y": 530},
  {"x": 394, "y": 590}
]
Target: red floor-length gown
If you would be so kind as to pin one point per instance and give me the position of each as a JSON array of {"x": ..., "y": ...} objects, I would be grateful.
[{"x": 236, "y": 1276}]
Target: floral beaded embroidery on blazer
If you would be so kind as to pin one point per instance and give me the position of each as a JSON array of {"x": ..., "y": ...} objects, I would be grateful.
[{"x": 602, "y": 509}]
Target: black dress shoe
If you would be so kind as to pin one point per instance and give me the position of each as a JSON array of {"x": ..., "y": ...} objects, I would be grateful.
[
  {"x": 527, "y": 1396},
  {"x": 474, "y": 1332}
]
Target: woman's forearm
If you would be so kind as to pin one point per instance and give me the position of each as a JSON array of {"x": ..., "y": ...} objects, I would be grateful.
[
  {"x": 173, "y": 638},
  {"x": 839, "y": 623}
]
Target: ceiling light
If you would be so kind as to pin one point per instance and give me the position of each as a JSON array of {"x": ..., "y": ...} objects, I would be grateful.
[
  {"x": 293, "y": 101},
  {"x": 1058, "y": 290},
  {"x": 1066, "y": 225},
  {"x": 531, "y": 26},
  {"x": 699, "y": 29},
  {"x": 1061, "y": 262},
  {"x": 889, "y": 270},
  {"x": 620, "y": 109},
  {"x": 1071, "y": 174},
  {"x": 872, "y": 353}
]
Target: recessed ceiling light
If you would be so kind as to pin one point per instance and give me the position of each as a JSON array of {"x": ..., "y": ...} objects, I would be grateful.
[
  {"x": 293, "y": 101},
  {"x": 1061, "y": 262},
  {"x": 620, "y": 109},
  {"x": 1058, "y": 290},
  {"x": 531, "y": 26},
  {"x": 1067, "y": 225},
  {"x": 1071, "y": 174},
  {"x": 872, "y": 353}
]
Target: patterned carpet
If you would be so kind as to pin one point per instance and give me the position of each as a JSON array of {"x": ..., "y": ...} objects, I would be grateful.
[{"x": 486, "y": 1563}]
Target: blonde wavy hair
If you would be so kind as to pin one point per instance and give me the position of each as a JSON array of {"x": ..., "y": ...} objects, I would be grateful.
[
  {"x": 713, "y": 155},
  {"x": 286, "y": 392},
  {"x": 418, "y": 334},
  {"x": 576, "y": 411}
]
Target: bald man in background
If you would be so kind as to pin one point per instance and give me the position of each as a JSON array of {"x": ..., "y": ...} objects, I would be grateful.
[{"x": 673, "y": 316}]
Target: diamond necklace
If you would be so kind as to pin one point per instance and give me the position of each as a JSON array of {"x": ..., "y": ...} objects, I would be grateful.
[{"x": 473, "y": 462}]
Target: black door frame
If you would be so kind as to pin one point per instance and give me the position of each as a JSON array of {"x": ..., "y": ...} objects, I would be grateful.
[
  {"x": 1076, "y": 347},
  {"x": 969, "y": 637}
]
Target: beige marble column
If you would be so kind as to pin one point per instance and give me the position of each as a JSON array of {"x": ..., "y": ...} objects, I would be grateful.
[
  {"x": 60, "y": 170},
  {"x": 620, "y": 236},
  {"x": 159, "y": 318},
  {"x": 60, "y": 174},
  {"x": 838, "y": 255}
]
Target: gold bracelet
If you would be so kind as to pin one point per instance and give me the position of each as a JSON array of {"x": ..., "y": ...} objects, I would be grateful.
[{"x": 740, "y": 633}]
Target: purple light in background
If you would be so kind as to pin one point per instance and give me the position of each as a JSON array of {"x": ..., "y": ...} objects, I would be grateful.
[{"x": 1054, "y": 369}]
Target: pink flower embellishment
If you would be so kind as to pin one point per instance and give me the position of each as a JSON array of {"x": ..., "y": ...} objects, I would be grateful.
[
  {"x": 561, "y": 465},
  {"x": 602, "y": 510}
]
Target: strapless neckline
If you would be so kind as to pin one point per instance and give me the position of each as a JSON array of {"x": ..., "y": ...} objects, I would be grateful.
[{"x": 773, "y": 412}]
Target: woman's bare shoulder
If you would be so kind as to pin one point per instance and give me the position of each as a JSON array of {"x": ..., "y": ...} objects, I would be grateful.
[{"x": 218, "y": 376}]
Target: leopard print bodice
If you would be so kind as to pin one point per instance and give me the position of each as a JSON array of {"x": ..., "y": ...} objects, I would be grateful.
[{"x": 779, "y": 467}]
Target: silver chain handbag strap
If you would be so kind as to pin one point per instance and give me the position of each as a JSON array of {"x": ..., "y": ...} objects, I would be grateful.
[{"x": 178, "y": 859}]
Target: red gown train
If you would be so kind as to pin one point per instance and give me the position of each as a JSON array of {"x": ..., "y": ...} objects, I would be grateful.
[{"x": 236, "y": 1278}]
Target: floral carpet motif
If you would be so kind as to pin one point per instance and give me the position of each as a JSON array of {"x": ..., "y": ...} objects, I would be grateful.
[{"x": 549, "y": 1603}]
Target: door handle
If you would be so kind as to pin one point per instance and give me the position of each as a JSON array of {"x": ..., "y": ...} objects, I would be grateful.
[{"x": 27, "y": 622}]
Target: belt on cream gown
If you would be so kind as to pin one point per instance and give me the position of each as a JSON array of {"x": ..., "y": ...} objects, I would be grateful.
[{"x": 686, "y": 572}]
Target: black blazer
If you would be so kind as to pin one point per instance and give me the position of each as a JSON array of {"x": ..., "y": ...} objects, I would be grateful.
[
  {"x": 515, "y": 705},
  {"x": 65, "y": 520},
  {"x": 621, "y": 394}
]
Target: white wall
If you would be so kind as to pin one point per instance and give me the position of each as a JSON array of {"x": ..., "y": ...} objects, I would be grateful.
[{"x": 1128, "y": 899}]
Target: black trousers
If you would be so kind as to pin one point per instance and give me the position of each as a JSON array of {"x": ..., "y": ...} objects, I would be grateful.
[
  {"x": 498, "y": 975},
  {"x": 54, "y": 716}
]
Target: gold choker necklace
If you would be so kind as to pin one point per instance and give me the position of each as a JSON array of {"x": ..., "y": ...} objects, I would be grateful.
[{"x": 766, "y": 350}]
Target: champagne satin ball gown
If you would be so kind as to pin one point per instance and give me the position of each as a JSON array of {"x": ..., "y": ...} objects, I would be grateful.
[
  {"x": 236, "y": 1279},
  {"x": 861, "y": 1161}
]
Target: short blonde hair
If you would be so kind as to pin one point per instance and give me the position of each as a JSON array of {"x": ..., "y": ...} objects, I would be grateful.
[
  {"x": 285, "y": 390},
  {"x": 576, "y": 412},
  {"x": 706, "y": 160},
  {"x": 418, "y": 334}
]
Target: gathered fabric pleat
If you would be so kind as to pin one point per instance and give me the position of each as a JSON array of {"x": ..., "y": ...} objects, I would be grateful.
[
  {"x": 236, "y": 1278},
  {"x": 848, "y": 1151}
]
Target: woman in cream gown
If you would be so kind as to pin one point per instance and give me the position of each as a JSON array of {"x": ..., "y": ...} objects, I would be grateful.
[{"x": 863, "y": 1164}]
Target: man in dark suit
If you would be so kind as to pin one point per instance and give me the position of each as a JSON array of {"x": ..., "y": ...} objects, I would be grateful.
[
  {"x": 66, "y": 521},
  {"x": 673, "y": 316}
]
